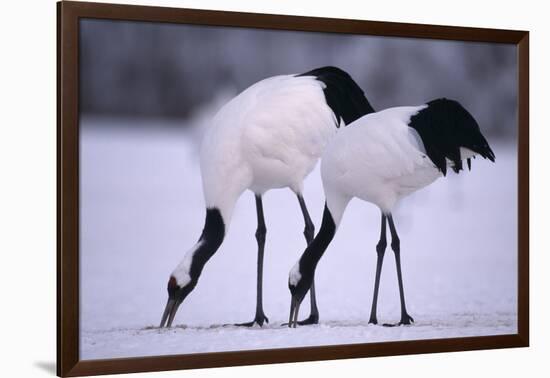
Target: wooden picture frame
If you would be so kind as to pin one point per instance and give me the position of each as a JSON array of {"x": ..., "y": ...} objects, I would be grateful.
[{"x": 69, "y": 14}]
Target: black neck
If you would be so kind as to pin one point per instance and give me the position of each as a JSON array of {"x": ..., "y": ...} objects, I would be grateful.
[
  {"x": 211, "y": 238},
  {"x": 318, "y": 246}
]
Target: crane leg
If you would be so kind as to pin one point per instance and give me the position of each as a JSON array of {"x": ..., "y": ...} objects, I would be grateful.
[
  {"x": 261, "y": 231},
  {"x": 380, "y": 251},
  {"x": 395, "y": 245}
]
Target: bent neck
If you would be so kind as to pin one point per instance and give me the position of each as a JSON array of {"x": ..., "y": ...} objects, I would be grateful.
[
  {"x": 319, "y": 245},
  {"x": 213, "y": 233},
  {"x": 210, "y": 240}
]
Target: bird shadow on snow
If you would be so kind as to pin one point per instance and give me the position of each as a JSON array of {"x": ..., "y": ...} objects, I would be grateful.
[
  {"x": 212, "y": 327},
  {"x": 459, "y": 320},
  {"x": 456, "y": 320},
  {"x": 273, "y": 326}
]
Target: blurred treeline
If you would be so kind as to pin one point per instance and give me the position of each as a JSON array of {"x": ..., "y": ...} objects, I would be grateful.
[{"x": 139, "y": 69}]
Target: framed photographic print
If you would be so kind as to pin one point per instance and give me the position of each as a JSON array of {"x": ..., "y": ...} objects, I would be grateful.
[{"x": 238, "y": 188}]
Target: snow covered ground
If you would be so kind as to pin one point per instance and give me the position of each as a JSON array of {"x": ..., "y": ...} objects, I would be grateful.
[{"x": 142, "y": 209}]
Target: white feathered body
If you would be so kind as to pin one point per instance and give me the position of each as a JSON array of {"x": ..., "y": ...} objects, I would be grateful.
[
  {"x": 378, "y": 158},
  {"x": 270, "y": 136}
]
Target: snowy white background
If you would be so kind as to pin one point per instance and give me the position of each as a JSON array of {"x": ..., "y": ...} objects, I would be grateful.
[{"x": 142, "y": 208}]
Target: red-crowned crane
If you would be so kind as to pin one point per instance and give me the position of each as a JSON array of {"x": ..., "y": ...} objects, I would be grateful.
[
  {"x": 269, "y": 136},
  {"x": 381, "y": 158}
]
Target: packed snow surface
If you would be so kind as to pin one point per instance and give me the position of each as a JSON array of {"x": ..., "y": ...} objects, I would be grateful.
[{"x": 142, "y": 208}]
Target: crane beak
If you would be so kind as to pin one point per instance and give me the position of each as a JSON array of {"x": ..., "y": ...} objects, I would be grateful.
[
  {"x": 294, "y": 310},
  {"x": 169, "y": 312}
]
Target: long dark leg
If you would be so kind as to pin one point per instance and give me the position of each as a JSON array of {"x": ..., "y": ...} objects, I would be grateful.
[
  {"x": 309, "y": 230},
  {"x": 395, "y": 245},
  {"x": 260, "y": 317},
  {"x": 380, "y": 251}
]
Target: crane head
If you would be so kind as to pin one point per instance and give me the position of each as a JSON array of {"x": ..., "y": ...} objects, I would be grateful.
[
  {"x": 176, "y": 295},
  {"x": 299, "y": 283}
]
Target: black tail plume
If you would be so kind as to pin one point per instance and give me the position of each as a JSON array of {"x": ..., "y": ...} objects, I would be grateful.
[
  {"x": 445, "y": 126},
  {"x": 346, "y": 99}
]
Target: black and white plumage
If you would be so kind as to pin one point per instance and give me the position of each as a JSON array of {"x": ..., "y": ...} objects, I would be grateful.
[
  {"x": 269, "y": 136},
  {"x": 381, "y": 158}
]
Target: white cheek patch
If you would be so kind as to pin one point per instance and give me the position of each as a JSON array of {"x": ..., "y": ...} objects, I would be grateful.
[
  {"x": 182, "y": 271},
  {"x": 294, "y": 276}
]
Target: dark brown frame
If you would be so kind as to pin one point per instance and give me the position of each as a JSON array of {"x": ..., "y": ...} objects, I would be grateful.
[{"x": 68, "y": 15}]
